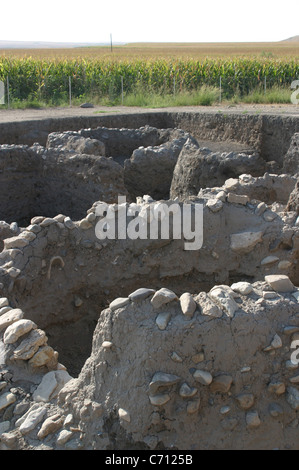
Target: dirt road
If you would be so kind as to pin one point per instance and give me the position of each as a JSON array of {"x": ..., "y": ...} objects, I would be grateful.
[{"x": 16, "y": 115}]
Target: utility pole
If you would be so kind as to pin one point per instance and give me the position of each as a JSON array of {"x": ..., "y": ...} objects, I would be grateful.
[{"x": 111, "y": 42}]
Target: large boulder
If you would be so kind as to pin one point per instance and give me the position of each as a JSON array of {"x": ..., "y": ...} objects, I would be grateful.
[
  {"x": 199, "y": 168},
  {"x": 72, "y": 141}
]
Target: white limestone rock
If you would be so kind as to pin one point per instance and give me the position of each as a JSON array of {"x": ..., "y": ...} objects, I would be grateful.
[
  {"x": 33, "y": 418},
  {"x": 243, "y": 288},
  {"x": 280, "y": 283},
  {"x": 7, "y": 399},
  {"x": 224, "y": 300},
  {"x": 244, "y": 242},
  {"x": 10, "y": 317},
  {"x": 119, "y": 303},
  {"x": 188, "y": 304},
  {"x": 18, "y": 329}
]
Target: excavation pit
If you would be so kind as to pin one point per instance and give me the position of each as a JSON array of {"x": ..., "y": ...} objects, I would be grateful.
[{"x": 190, "y": 355}]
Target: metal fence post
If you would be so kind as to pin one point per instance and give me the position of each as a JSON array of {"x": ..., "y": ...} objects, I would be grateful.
[
  {"x": 122, "y": 90},
  {"x": 220, "y": 97},
  {"x": 8, "y": 98},
  {"x": 70, "y": 91},
  {"x": 2, "y": 92}
]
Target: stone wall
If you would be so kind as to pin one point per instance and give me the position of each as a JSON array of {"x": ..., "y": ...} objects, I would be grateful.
[{"x": 271, "y": 135}]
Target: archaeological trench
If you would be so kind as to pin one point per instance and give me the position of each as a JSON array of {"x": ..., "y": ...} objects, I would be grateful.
[{"x": 142, "y": 344}]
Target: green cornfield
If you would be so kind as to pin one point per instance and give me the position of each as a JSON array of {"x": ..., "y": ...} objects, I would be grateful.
[{"x": 48, "y": 80}]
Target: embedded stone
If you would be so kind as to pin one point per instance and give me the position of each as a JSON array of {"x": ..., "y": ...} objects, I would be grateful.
[
  {"x": 10, "y": 317},
  {"x": 29, "y": 235},
  {"x": 33, "y": 418},
  {"x": 141, "y": 294},
  {"x": 243, "y": 288},
  {"x": 186, "y": 391},
  {"x": 15, "y": 242},
  {"x": 209, "y": 308},
  {"x": 3, "y": 302},
  {"x": 5, "y": 310},
  {"x": 253, "y": 419},
  {"x": 7, "y": 399},
  {"x": 119, "y": 303},
  {"x": 293, "y": 398},
  {"x": 162, "y": 320},
  {"x": 188, "y": 304},
  {"x": 221, "y": 196},
  {"x": 50, "y": 425},
  {"x": 161, "y": 379},
  {"x": 221, "y": 383},
  {"x": 244, "y": 242},
  {"x": 276, "y": 343},
  {"x": 214, "y": 205},
  {"x": 124, "y": 415},
  {"x": 224, "y": 410},
  {"x": 45, "y": 388},
  {"x": 289, "y": 330},
  {"x": 237, "y": 198},
  {"x": 175, "y": 357},
  {"x": 17, "y": 329},
  {"x": 159, "y": 400},
  {"x": 69, "y": 223},
  {"x": 260, "y": 208},
  {"x": 64, "y": 436},
  {"x": 199, "y": 357},
  {"x": 224, "y": 300},
  {"x": 231, "y": 183},
  {"x": 85, "y": 224},
  {"x": 269, "y": 295},
  {"x": 203, "y": 377},
  {"x": 284, "y": 264},
  {"x": 269, "y": 216},
  {"x": 295, "y": 379},
  {"x": 4, "y": 427},
  {"x": 193, "y": 406},
  {"x": 269, "y": 260},
  {"x": 47, "y": 221},
  {"x": 280, "y": 282},
  {"x": 29, "y": 346},
  {"x": 42, "y": 356},
  {"x": 13, "y": 272},
  {"x": 163, "y": 296},
  {"x": 245, "y": 400}
]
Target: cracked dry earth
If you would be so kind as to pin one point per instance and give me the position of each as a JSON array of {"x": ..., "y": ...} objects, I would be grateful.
[{"x": 144, "y": 344}]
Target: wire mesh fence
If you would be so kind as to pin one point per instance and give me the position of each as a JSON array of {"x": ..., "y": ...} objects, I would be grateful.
[{"x": 114, "y": 88}]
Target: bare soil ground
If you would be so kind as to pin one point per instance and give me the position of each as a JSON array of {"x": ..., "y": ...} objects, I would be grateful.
[{"x": 14, "y": 115}]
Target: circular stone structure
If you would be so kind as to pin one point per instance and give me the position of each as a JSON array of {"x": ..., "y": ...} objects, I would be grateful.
[{"x": 120, "y": 342}]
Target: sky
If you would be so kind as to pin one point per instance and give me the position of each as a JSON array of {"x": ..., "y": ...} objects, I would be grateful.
[{"x": 148, "y": 21}]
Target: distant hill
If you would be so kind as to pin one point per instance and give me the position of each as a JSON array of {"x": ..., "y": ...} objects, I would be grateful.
[
  {"x": 292, "y": 39},
  {"x": 46, "y": 45}
]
